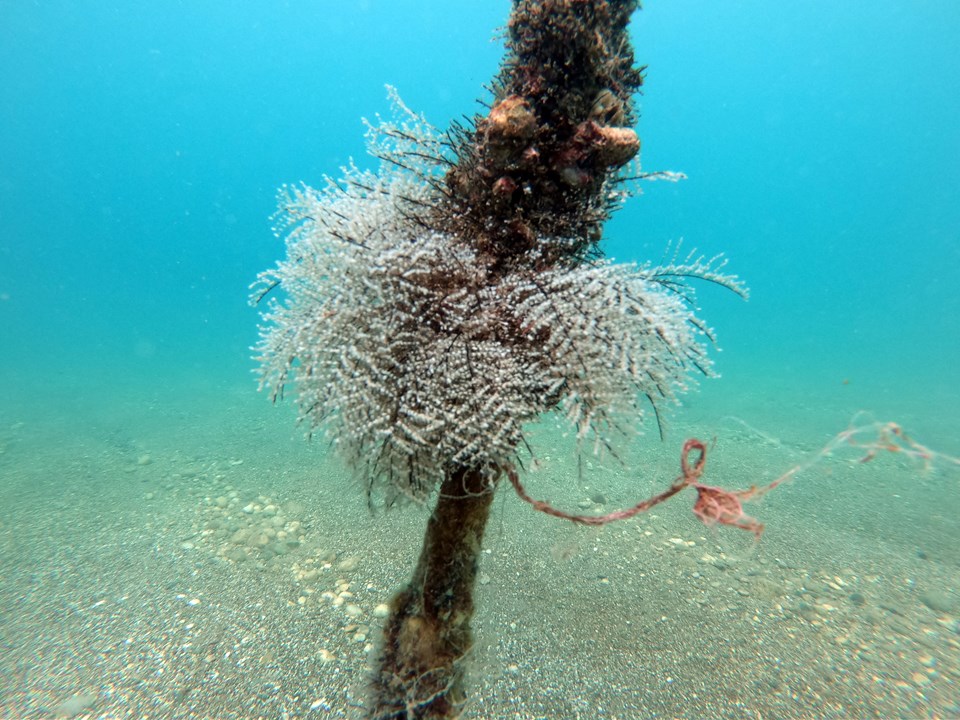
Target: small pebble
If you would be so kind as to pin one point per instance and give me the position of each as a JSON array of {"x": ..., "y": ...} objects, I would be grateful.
[
  {"x": 381, "y": 610},
  {"x": 353, "y": 610}
]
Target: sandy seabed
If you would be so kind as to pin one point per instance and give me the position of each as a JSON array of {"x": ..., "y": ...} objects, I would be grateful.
[{"x": 199, "y": 559}]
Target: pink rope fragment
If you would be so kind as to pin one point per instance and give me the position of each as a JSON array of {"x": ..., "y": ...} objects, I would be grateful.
[{"x": 716, "y": 505}]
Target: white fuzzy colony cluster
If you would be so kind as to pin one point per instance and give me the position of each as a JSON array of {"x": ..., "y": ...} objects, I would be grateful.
[{"x": 417, "y": 356}]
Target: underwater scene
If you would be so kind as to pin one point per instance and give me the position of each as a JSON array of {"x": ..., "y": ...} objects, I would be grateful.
[{"x": 516, "y": 359}]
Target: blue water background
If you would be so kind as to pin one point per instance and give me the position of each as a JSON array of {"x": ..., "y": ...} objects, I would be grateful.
[{"x": 141, "y": 145}]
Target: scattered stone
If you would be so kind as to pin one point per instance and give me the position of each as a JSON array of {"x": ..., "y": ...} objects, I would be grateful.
[
  {"x": 938, "y": 601},
  {"x": 74, "y": 705},
  {"x": 349, "y": 563},
  {"x": 718, "y": 563},
  {"x": 279, "y": 548},
  {"x": 808, "y": 612},
  {"x": 240, "y": 536},
  {"x": 325, "y": 556},
  {"x": 902, "y": 628},
  {"x": 891, "y": 607},
  {"x": 765, "y": 589},
  {"x": 920, "y": 678},
  {"x": 381, "y": 610},
  {"x": 236, "y": 554},
  {"x": 353, "y": 611},
  {"x": 292, "y": 507},
  {"x": 321, "y": 704},
  {"x": 258, "y": 540}
]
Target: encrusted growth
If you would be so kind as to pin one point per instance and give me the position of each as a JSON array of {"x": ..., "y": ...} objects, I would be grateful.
[{"x": 545, "y": 160}]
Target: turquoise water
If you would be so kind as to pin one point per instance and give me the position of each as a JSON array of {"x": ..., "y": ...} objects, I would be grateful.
[{"x": 141, "y": 145}]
